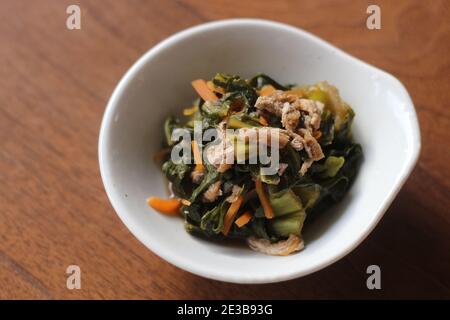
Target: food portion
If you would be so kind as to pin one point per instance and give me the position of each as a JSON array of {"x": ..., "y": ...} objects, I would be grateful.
[{"x": 257, "y": 160}]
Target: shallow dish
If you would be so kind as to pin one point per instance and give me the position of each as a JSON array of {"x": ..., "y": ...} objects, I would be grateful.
[{"x": 158, "y": 84}]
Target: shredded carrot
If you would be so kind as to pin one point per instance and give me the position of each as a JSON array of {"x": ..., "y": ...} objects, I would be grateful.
[
  {"x": 185, "y": 202},
  {"x": 266, "y": 90},
  {"x": 166, "y": 206},
  {"x": 213, "y": 88},
  {"x": 190, "y": 111},
  {"x": 268, "y": 211},
  {"x": 203, "y": 91},
  {"x": 317, "y": 135},
  {"x": 197, "y": 157},
  {"x": 231, "y": 213},
  {"x": 243, "y": 219},
  {"x": 263, "y": 121}
]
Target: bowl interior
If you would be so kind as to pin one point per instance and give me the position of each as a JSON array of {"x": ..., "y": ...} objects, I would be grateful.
[{"x": 159, "y": 85}]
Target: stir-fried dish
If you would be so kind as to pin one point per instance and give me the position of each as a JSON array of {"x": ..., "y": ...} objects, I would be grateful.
[{"x": 226, "y": 186}]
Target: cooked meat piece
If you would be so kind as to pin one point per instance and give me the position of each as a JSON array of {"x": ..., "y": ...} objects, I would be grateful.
[
  {"x": 213, "y": 192},
  {"x": 197, "y": 176},
  {"x": 297, "y": 141},
  {"x": 305, "y": 166},
  {"x": 235, "y": 191},
  {"x": 312, "y": 147},
  {"x": 280, "y": 248},
  {"x": 315, "y": 121},
  {"x": 221, "y": 154},
  {"x": 267, "y": 134},
  {"x": 274, "y": 102},
  {"x": 273, "y": 134},
  {"x": 312, "y": 111},
  {"x": 292, "y": 109},
  {"x": 289, "y": 107},
  {"x": 290, "y": 116},
  {"x": 310, "y": 106},
  {"x": 282, "y": 168},
  {"x": 304, "y": 139}
]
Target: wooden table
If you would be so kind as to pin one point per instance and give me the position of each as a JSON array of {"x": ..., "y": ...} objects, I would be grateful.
[{"x": 54, "y": 87}]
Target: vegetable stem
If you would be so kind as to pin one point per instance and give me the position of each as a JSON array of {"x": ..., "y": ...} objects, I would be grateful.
[
  {"x": 268, "y": 211},
  {"x": 287, "y": 225},
  {"x": 231, "y": 214}
]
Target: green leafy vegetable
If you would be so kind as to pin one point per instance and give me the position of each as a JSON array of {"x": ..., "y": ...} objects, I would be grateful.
[
  {"x": 232, "y": 83},
  {"x": 242, "y": 121},
  {"x": 213, "y": 219},
  {"x": 285, "y": 202},
  {"x": 332, "y": 166},
  {"x": 175, "y": 173},
  {"x": 217, "y": 110},
  {"x": 309, "y": 193},
  {"x": 286, "y": 225},
  {"x": 170, "y": 124}
]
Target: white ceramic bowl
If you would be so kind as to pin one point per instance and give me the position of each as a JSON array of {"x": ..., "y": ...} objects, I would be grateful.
[{"x": 158, "y": 84}]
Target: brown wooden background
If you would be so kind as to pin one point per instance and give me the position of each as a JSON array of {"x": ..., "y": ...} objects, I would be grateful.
[{"x": 53, "y": 89}]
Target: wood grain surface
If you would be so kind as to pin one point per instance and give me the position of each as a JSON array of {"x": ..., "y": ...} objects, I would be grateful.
[{"x": 55, "y": 84}]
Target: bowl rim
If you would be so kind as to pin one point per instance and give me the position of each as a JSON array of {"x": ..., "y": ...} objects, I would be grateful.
[{"x": 205, "y": 272}]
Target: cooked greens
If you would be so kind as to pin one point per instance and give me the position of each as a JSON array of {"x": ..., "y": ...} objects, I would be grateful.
[{"x": 318, "y": 160}]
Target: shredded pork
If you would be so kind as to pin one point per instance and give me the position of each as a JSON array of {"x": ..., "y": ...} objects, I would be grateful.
[
  {"x": 312, "y": 147},
  {"x": 265, "y": 135},
  {"x": 300, "y": 117},
  {"x": 235, "y": 192},
  {"x": 274, "y": 103},
  {"x": 221, "y": 154},
  {"x": 290, "y": 116},
  {"x": 280, "y": 248},
  {"x": 213, "y": 192}
]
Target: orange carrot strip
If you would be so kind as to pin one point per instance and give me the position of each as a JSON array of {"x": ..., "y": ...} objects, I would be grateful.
[
  {"x": 203, "y": 91},
  {"x": 263, "y": 121},
  {"x": 190, "y": 111},
  {"x": 266, "y": 90},
  {"x": 243, "y": 219},
  {"x": 197, "y": 157},
  {"x": 166, "y": 206},
  {"x": 231, "y": 213},
  {"x": 298, "y": 91},
  {"x": 268, "y": 211}
]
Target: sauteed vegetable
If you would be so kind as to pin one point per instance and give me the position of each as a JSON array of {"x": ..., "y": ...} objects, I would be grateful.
[{"x": 308, "y": 128}]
